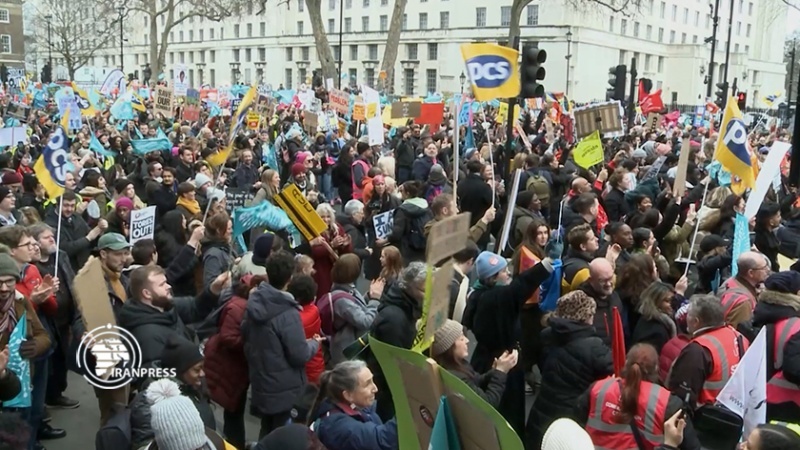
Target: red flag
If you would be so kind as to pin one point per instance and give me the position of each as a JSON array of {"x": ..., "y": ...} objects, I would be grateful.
[
  {"x": 651, "y": 103},
  {"x": 617, "y": 344}
]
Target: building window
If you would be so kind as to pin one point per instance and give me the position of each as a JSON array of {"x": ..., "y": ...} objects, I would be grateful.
[
  {"x": 384, "y": 2},
  {"x": 262, "y": 54},
  {"x": 289, "y": 54},
  {"x": 4, "y": 16},
  {"x": 372, "y": 50},
  {"x": 423, "y": 21},
  {"x": 697, "y": 18},
  {"x": 248, "y": 76},
  {"x": 748, "y": 30},
  {"x": 262, "y": 29},
  {"x": 287, "y": 78},
  {"x": 348, "y": 4},
  {"x": 301, "y": 4},
  {"x": 384, "y": 22},
  {"x": 735, "y": 48},
  {"x": 741, "y": 6},
  {"x": 210, "y": 32},
  {"x": 649, "y": 32},
  {"x": 647, "y": 62},
  {"x": 306, "y": 53},
  {"x": 738, "y": 28},
  {"x": 236, "y": 31},
  {"x": 348, "y": 25},
  {"x": 180, "y": 36},
  {"x": 621, "y": 57},
  {"x": 747, "y": 49},
  {"x": 5, "y": 43},
  {"x": 353, "y": 52},
  {"x": 409, "y": 80},
  {"x": 248, "y": 55},
  {"x": 300, "y": 27},
  {"x": 505, "y": 16},
  {"x": 332, "y": 4},
  {"x": 212, "y": 56},
  {"x": 662, "y": 10},
  {"x": 235, "y": 55},
  {"x": 200, "y": 33},
  {"x": 430, "y": 80},
  {"x": 636, "y": 29},
  {"x": 694, "y": 39},
  {"x": 533, "y": 15},
  {"x": 672, "y": 37},
  {"x": 336, "y": 52},
  {"x": 660, "y": 64},
  {"x": 369, "y": 77},
  {"x": 433, "y": 51},
  {"x": 331, "y": 26},
  {"x": 623, "y": 26},
  {"x": 249, "y": 30},
  {"x": 365, "y": 23},
  {"x": 611, "y": 24},
  {"x": 444, "y": 20},
  {"x": 750, "y": 9},
  {"x": 191, "y": 35},
  {"x": 366, "y": 3},
  {"x": 213, "y": 75},
  {"x": 404, "y": 24},
  {"x": 685, "y": 16},
  {"x": 412, "y": 51},
  {"x": 480, "y": 21},
  {"x": 683, "y": 38},
  {"x": 674, "y": 13},
  {"x": 353, "y": 77}
]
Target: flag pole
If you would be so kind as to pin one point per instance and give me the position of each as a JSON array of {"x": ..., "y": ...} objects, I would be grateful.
[
  {"x": 697, "y": 220},
  {"x": 58, "y": 233}
]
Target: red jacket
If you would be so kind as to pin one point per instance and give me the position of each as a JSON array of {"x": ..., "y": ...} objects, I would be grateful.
[
  {"x": 323, "y": 261},
  {"x": 312, "y": 325},
  {"x": 225, "y": 363},
  {"x": 31, "y": 278}
]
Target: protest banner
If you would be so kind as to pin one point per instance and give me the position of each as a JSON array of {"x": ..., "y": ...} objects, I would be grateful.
[
  {"x": 339, "y": 101},
  {"x": 679, "y": 187},
  {"x": 310, "y": 122},
  {"x": 589, "y": 151},
  {"x": 181, "y": 82},
  {"x": 237, "y": 197},
  {"x": 435, "y": 306},
  {"x": 93, "y": 302},
  {"x": 300, "y": 212},
  {"x": 191, "y": 113},
  {"x": 143, "y": 224},
  {"x": 602, "y": 117},
  {"x": 653, "y": 119},
  {"x": 383, "y": 224},
  {"x": 163, "y": 104},
  {"x": 192, "y": 96},
  {"x": 252, "y": 120},
  {"x": 447, "y": 237},
  {"x": 359, "y": 111}
]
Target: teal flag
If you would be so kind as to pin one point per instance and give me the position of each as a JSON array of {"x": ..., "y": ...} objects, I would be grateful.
[
  {"x": 444, "y": 435},
  {"x": 741, "y": 240},
  {"x": 19, "y": 365}
]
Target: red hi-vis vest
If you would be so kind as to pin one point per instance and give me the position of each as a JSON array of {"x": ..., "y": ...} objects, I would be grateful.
[
  {"x": 358, "y": 191},
  {"x": 651, "y": 412},
  {"x": 732, "y": 294},
  {"x": 723, "y": 344},
  {"x": 780, "y": 390}
]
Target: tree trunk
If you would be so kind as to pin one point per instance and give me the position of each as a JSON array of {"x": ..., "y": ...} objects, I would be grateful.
[
  {"x": 155, "y": 65},
  {"x": 516, "y": 11},
  {"x": 324, "y": 52},
  {"x": 393, "y": 41}
]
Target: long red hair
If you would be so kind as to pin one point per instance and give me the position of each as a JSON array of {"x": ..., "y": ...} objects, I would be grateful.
[{"x": 641, "y": 365}]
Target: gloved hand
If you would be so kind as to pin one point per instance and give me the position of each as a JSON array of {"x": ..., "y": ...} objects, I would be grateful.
[
  {"x": 554, "y": 249},
  {"x": 27, "y": 349}
]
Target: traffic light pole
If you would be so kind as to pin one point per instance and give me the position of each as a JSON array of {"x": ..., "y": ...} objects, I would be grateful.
[
  {"x": 715, "y": 20},
  {"x": 794, "y": 167},
  {"x": 512, "y": 103},
  {"x": 791, "y": 81},
  {"x": 728, "y": 44},
  {"x": 632, "y": 96}
]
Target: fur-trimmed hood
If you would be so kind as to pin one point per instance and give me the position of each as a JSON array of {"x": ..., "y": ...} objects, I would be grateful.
[
  {"x": 780, "y": 299},
  {"x": 774, "y": 306}
]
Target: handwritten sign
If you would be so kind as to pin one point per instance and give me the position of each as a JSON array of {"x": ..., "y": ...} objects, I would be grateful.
[
  {"x": 339, "y": 101},
  {"x": 406, "y": 110},
  {"x": 237, "y": 198},
  {"x": 383, "y": 224},
  {"x": 359, "y": 111},
  {"x": 191, "y": 113},
  {"x": 163, "y": 101},
  {"x": 252, "y": 120},
  {"x": 143, "y": 224},
  {"x": 447, "y": 237}
]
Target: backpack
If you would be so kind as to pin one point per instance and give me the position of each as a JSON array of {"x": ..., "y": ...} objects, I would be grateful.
[
  {"x": 325, "y": 306},
  {"x": 116, "y": 433},
  {"x": 417, "y": 240},
  {"x": 539, "y": 186},
  {"x": 432, "y": 192}
]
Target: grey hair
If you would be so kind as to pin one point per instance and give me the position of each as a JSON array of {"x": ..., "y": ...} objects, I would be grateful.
[
  {"x": 353, "y": 207},
  {"x": 38, "y": 228},
  {"x": 414, "y": 273},
  {"x": 708, "y": 310},
  {"x": 343, "y": 377},
  {"x": 325, "y": 209}
]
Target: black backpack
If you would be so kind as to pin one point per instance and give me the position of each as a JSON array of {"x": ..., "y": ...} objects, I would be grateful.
[
  {"x": 417, "y": 240},
  {"x": 116, "y": 433}
]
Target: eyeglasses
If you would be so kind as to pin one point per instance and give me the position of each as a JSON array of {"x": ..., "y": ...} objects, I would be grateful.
[
  {"x": 29, "y": 245},
  {"x": 8, "y": 283}
]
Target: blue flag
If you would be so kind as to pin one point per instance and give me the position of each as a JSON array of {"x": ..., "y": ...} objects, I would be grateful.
[
  {"x": 469, "y": 139},
  {"x": 144, "y": 146},
  {"x": 214, "y": 110},
  {"x": 98, "y": 148},
  {"x": 444, "y": 435},
  {"x": 741, "y": 240},
  {"x": 19, "y": 365},
  {"x": 550, "y": 290},
  {"x": 263, "y": 215}
]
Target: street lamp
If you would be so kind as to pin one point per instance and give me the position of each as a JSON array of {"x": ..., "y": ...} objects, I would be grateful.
[
  {"x": 260, "y": 71},
  {"x": 121, "y": 10},
  {"x": 341, "y": 50},
  {"x": 568, "y": 57},
  {"x": 49, "y": 18},
  {"x": 462, "y": 79},
  {"x": 200, "y": 67},
  {"x": 234, "y": 72}
]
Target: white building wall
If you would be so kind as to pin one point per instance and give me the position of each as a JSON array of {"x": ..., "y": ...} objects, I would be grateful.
[{"x": 598, "y": 42}]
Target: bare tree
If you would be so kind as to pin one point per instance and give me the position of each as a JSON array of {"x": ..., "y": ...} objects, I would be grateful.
[
  {"x": 613, "y": 5},
  {"x": 323, "y": 47},
  {"x": 78, "y": 30},
  {"x": 175, "y": 12},
  {"x": 393, "y": 41}
]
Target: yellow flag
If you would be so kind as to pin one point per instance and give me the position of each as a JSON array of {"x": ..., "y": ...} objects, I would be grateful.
[
  {"x": 87, "y": 110},
  {"x": 589, "y": 151},
  {"x": 493, "y": 70}
]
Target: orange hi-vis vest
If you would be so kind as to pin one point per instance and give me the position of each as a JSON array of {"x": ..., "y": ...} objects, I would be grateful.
[
  {"x": 779, "y": 389},
  {"x": 723, "y": 344},
  {"x": 651, "y": 412}
]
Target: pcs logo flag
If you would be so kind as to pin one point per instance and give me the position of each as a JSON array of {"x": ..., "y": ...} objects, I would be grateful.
[{"x": 493, "y": 70}]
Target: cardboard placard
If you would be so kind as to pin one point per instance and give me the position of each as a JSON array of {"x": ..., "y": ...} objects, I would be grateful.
[
  {"x": 93, "y": 303},
  {"x": 302, "y": 214},
  {"x": 447, "y": 237},
  {"x": 679, "y": 186},
  {"x": 383, "y": 223},
  {"x": 406, "y": 110},
  {"x": 359, "y": 111},
  {"x": 602, "y": 117},
  {"x": 163, "y": 104},
  {"x": 265, "y": 105},
  {"x": 192, "y": 96},
  {"x": 253, "y": 119},
  {"x": 237, "y": 198},
  {"x": 440, "y": 300},
  {"x": 653, "y": 119},
  {"x": 339, "y": 101},
  {"x": 191, "y": 113},
  {"x": 310, "y": 122},
  {"x": 143, "y": 224}
]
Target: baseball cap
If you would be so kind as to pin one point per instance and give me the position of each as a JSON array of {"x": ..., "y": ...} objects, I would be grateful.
[
  {"x": 112, "y": 241},
  {"x": 711, "y": 242}
]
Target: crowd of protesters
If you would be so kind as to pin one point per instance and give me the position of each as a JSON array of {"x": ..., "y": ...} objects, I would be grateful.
[{"x": 280, "y": 325}]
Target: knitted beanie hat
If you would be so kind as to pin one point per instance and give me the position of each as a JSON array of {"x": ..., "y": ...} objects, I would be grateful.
[
  {"x": 8, "y": 268},
  {"x": 565, "y": 434},
  {"x": 446, "y": 336},
  {"x": 174, "y": 418},
  {"x": 180, "y": 354},
  {"x": 576, "y": 306},
  {"x": 489, "y": 264}
]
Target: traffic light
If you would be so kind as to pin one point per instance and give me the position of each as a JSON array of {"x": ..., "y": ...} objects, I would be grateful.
[
  {"x": 616, "y": 82},
  {"x": 47, "y": 74},
  {"x": 721, "y": 94},
  {"x": 741, "y": 100},
  {"x": 532, "y": 72}
]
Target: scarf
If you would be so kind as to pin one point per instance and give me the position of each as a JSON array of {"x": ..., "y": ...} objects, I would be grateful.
[
  {"x": 191, "y": 205},
  {"x": 116, "y": 284},
  {"x": 8, "y": 319}
]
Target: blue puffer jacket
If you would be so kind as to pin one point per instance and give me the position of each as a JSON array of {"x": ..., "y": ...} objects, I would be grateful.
[{"x": 341, "y": 428}]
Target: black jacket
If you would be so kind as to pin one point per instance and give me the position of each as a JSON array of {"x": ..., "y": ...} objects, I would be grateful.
[
  {"x": 164, "y": 198},
  {"x": 404, "y": 153},
  {"x": 475, "y": 197},
  {"x": 603, "y": 317},
  {"x": 616, "y": 206},
  {"x": 767, "y": 243},
  {"x": 574, "y": 359},
  {"x": 152, "y": 328},
  {"x": 357, "y": 233},
  {"x": 73, "y": 238},
  {"x": 707, "y": 271},
  {"x": 653, "y": 331},
  {"x": 400, "y": 236},
  {"x": 489, "y": 386},
  {"x": 185, "y": 172}
]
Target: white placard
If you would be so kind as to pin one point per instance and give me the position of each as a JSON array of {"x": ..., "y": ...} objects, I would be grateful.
[
  {"x": 12, "y": 135},
  {"x": 143, "y": 224},
  {"x": 181, "y": 83},
  {"x": 329, "y": 84},
  {"x": 375, "y": 131},
  {"x": 771, "y": 167},
  {"x": 383, "y": 224}
]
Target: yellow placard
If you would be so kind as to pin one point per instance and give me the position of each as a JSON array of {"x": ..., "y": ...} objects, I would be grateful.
[
  {"x": 589, "y": 151},
  {"x": 300, "y": 212},
  {"x": 502, "y": 112},
  {"x": 386, "y": 116},
  {"x": 359, "y": 111},
  {"x": 253, "y": 120},
  {"x": 372, "y": 110}
]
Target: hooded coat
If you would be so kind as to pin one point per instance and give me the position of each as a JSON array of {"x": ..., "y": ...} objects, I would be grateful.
[
  {"x": 72, "y": 238},
  {"x": 276, "y": 349},
  {"x": 404, "y": 216}
]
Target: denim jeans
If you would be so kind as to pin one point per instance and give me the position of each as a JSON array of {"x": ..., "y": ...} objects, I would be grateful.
[
  {"x": 326, "y": 186},
  {"x": 39, "y": 385}
]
